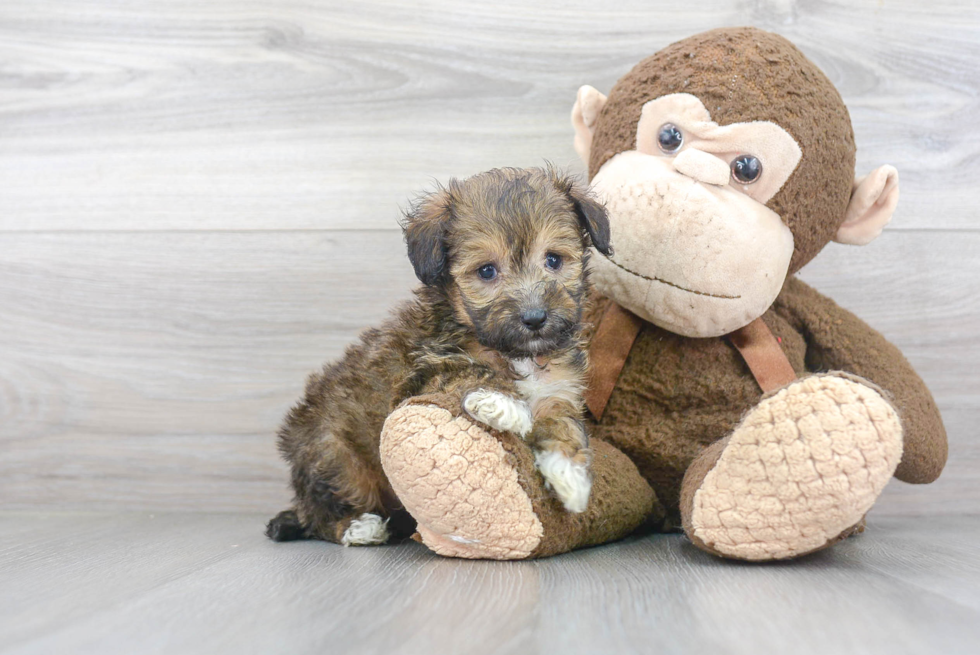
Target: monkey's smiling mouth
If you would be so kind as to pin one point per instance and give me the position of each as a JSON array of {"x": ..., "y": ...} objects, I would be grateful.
[{"x": 669, "y": 284}]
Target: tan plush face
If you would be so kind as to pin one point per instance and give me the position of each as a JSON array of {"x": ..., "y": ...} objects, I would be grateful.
[{"x": 694, "y": 192}]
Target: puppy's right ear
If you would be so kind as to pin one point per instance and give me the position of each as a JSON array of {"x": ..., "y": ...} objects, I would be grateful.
[{"x": 425, "y": 230}]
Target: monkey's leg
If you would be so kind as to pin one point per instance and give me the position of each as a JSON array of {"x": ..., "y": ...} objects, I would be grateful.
[
  {"x": 476, "y": 493},
  {"x": 837, "y": 340},
  {"x": 798, "y": 473}
]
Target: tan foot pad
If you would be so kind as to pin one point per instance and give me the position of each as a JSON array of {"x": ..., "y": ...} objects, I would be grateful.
[
  {"x": 455, "y": 480},
  {"x": 801, "y": 468}
]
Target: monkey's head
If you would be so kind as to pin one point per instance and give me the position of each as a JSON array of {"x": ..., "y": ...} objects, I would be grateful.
[
  {"x": 508, "y": 249},
  {"x": 726, "y": 162}
]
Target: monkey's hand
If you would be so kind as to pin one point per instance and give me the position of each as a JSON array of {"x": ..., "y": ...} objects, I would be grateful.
[{"x": 499, "y": 411}]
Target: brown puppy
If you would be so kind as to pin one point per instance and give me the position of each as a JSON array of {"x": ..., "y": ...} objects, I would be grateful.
[{"x": 496, "y": 330}]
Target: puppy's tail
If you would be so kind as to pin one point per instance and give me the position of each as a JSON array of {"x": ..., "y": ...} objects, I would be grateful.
[{"x": 286, "y": 527}]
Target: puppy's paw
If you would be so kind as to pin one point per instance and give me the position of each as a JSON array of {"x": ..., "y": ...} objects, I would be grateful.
[
  {"x": 366, "y": 530},
  {"x": 570, "y": 479},
  {"x": 499, "y": 411}
]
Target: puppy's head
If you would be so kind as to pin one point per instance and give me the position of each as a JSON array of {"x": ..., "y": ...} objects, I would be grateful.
[{"x": 509, "y": 249}]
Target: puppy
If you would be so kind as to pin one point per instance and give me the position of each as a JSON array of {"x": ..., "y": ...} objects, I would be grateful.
[{"x": 496, "y": 329}]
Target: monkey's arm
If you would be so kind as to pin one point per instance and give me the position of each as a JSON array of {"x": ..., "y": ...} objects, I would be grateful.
[{"x": 839, "y": 340}]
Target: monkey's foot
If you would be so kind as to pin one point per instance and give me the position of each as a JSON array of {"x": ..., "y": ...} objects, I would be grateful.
[
  {"x": 798, "y": 474},
  {"x": 477, "y": 494},
  {"x": 458, "y": 483}
]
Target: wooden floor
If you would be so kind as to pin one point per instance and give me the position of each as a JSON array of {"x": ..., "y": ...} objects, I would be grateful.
[{"x": 192, "y": 583}]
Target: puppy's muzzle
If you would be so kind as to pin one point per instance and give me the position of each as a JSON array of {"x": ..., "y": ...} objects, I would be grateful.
[{"x": 534, "y": 319}]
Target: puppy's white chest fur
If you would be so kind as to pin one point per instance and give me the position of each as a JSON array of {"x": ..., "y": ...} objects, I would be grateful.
[{"x": 539, "y": 384}]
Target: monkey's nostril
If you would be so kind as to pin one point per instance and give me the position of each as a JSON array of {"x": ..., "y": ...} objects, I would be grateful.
[{"x": 534, "y": 318}]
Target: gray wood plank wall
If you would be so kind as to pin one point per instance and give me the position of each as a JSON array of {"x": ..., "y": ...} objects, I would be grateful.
[{"x": 198, "y": 206}]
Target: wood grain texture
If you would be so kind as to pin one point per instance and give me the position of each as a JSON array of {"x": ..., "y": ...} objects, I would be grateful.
[
  {"x": 198, "y": 206},
  {"x": 285, "y": 114},
  {"x": 193, "y": 583}
]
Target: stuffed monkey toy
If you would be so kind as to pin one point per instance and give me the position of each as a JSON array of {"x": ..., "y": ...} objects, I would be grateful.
[{"x": 727, "y": 397}]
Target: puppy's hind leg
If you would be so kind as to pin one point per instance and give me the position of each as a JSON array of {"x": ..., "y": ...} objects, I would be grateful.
[
  {"x": 286, "y": 526},
  {"x": 366, "y": 530},
  {"x": 341, "y": 491},
  {"x": 340, "y": 500}
]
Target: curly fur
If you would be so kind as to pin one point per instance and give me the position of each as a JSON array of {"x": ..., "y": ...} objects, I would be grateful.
[{"x": 460, "y": 334}]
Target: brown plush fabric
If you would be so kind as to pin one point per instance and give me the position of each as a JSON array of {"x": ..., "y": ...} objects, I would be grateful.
[
  {"x": 677, "y": 395},
  {"x": 621, "y": 501},
  {"x": 839, "y": 340},
  {"x": 768, "y": 79}
]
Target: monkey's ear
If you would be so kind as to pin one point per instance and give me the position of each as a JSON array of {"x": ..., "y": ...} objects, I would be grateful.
[
  {"x": 873, "y": 201},
  {"x": 588, "y": 103},
  {"x": 425, "y": 229}
]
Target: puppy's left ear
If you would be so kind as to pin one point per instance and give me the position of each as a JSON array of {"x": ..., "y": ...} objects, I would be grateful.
[
  {"x": 591, "y": 214},
  {"x": 425, "y": 229},
  {"x": 594, "y": 221}
]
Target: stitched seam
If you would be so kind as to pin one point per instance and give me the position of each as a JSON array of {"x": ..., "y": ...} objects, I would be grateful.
[{"x": 670, "y": 284}]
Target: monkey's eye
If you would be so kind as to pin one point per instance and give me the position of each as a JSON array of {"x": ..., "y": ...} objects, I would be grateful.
[
  {"x": 746, "y": 169},
  {"x": 669, "y": 138},
  {"x": 487, "y": 272},
  {"x": 552, "y": 261}
]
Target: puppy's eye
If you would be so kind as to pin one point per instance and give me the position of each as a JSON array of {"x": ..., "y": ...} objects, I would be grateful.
[
  {"x": 552, "y": 261},
  {"x": 487, "y": 272}
]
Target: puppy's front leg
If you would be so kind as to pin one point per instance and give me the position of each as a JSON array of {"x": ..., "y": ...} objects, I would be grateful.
[
  {"x": 562, "y": 455},
  {"x": 499, "y": 410},
  {"x": 552, "y": 430},
  {"x": 482, "y": 393}
]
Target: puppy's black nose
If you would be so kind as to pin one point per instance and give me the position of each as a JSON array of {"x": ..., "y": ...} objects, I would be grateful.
[{"x": 534, "y": 318}]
